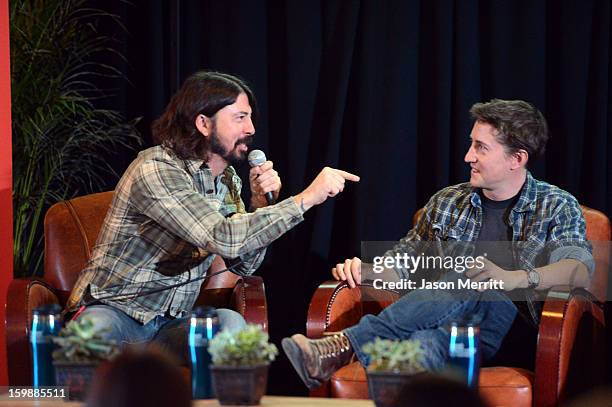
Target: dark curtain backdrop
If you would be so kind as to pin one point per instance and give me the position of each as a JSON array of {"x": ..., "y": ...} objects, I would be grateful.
[{"x": 381, "y": 89}]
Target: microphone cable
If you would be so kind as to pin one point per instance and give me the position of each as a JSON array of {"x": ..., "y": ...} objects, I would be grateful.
[{"x": 133, "y": 295}]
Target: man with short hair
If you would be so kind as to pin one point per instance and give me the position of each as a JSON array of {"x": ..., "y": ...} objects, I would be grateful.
[
  {"x": 501, "y": 203},
  {"x": 178, "y": 206}
]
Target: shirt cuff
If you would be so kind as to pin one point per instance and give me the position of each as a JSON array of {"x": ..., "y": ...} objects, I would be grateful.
[
  {"x": 576, "y": 253},
  {"x": 293, "y": 208}
]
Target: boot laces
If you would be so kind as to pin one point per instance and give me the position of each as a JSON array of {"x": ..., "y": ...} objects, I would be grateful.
[{"x": 332, "y": 346}]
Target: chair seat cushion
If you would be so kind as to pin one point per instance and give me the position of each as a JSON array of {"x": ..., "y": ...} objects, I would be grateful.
[
  {"x": 349, "y": 382},
  {"x": 506, "y": 386},
  {"x": 499, "y": 386}
]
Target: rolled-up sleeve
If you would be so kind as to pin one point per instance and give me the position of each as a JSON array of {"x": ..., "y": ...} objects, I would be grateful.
[{"x": 568, "y": 236}]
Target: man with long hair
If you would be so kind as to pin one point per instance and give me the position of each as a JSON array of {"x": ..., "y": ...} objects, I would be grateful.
[{"x": 178, "y": 206}]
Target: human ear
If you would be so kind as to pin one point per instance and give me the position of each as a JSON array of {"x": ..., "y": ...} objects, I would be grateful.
[
  {"x": 520, "y": 159},
  {"x": 203, "y": 124}
]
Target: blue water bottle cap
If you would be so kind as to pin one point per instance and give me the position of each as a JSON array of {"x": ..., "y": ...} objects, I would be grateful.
[
  {"x": 204, "y": 312},
  {"x": 47, "y": 309}
]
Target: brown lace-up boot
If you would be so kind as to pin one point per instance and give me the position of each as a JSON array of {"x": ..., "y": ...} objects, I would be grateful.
[{"x": 315, "y": 360}]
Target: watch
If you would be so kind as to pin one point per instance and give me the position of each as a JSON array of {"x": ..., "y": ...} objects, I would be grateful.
[{"x": 533, "y": 277}]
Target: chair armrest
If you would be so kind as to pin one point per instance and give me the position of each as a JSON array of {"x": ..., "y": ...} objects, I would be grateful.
[
  {"x": 249, "y": 299},
  {"x": 335, "y": 306},
  {"x": 23, "y": 296},
  {"x": 570, "y": 345}
]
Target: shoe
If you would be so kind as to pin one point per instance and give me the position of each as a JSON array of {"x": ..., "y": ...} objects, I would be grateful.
[{"x": 315, "y": 360}]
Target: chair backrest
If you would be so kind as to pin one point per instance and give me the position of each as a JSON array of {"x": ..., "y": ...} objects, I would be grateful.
[
  {"x": 71, "y": 230},
  {"x": 598, "y": 231}
]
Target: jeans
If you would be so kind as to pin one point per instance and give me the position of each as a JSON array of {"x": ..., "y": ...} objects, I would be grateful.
[
  {"x": 426, "y": 315},
  {"x": 166, "y": 333}
]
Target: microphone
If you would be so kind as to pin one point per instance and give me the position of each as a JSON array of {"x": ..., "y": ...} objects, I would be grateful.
[{"x": 257, "y": 158}]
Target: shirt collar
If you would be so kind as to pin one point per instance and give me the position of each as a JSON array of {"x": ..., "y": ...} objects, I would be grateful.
[
  {"x": 527, "y": 200},
  {"x": 229, "y": 173},
  {"x": 524, "y": 203},
  {"x": 194, "y": 165}
]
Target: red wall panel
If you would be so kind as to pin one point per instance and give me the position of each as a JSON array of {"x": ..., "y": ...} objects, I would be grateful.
[{"x": 6, "y": 205}]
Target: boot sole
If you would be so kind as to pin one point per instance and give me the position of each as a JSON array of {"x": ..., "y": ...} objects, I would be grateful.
[{"x": 294, "y": 353}]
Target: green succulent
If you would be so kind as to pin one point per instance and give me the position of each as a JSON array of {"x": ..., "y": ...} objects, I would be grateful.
[
  {"x": 394, "y": 356},
  {"x": 247, "y": 347},
  {"x": 80, "y": 341}
]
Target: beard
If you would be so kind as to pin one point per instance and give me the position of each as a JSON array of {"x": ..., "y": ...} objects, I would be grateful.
[{"x": 234, "y": 157}]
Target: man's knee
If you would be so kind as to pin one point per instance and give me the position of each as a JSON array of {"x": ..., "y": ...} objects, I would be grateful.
[
  {"x": 113, "y": 324},
  {"x": 106, "y": 322},
  {"x": 434, "y": 343}
]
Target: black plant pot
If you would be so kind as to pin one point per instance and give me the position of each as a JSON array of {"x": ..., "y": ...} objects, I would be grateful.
[
  {"x": 239, "y": 385},
  {"x": 76, "y": 376},
  {"x": 386, "y": 388}
]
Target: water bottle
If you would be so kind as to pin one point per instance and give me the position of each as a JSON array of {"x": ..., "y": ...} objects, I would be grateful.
[
  {"x": 464, "y": 352},
  {"x": 203, "y": 326},
  {"x": 46, "y": 322}
]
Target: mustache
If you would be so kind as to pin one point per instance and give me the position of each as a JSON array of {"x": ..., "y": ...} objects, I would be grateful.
[{"x": 247, "y": 141}]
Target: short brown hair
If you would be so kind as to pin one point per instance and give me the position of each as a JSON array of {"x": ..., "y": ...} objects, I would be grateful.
[
  {"x": 140, "y": 377},
  {"x": 519, "y": 125},
  {"x": 202, "y": 93}
]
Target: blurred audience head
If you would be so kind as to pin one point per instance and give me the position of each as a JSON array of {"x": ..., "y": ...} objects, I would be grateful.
[
  {"x": 146, "y": 377},
  {"x": 598, "y": 397},
  {"x": 428, "y": 390}
]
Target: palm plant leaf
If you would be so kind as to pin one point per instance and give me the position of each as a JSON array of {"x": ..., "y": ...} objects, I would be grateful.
[{"x": 61, "y": 140}]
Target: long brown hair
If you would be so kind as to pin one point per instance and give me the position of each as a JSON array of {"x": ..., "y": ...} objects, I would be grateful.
[{"x": 202, "y": 93}]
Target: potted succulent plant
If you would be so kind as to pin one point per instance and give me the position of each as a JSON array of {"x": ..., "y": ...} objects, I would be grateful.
[
  {"x": 240, "y": 365},
  {"x": 79, "y": 349},
  {"x": 392, "y": 365}
]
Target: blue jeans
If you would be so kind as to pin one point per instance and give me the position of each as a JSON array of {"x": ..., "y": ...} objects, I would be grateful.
[
  {"x": 167, "y": 333},
  {"x": 426, "y": 315}
]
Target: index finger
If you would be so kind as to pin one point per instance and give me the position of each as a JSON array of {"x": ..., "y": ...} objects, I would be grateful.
[
  {"x": 356, "y": 270},
  {"x": 348, "y": 175},
  {"x": 266, "y": 166},
  {"x": 255, "y": 171},
  {"x": 349, "y": 273},
  {"x": 474, "y": 271}
]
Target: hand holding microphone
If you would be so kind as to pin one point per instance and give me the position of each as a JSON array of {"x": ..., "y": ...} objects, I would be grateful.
[{"x": 263, "y": 179}]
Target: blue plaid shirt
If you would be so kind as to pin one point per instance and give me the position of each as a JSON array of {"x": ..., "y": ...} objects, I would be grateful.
[{"x": 545, "y": 219}]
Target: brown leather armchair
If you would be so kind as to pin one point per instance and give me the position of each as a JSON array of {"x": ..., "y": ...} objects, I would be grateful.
[
  {"x": 569, "y": 354},
  {"x": 71, "y": 230}
]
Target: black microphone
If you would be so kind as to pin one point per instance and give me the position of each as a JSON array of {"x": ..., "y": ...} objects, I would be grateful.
[{"x": 257, "y": 158}]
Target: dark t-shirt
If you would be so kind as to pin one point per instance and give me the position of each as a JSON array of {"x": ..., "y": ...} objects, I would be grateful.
[
  {"x": 519, "y": 345},
  {"x": 495, "y": 233},
  {"x": 495, "y": 215}
]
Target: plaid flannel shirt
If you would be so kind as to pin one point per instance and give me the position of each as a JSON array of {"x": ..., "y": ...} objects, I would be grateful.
[
  {"x": 166, "y": 217},
  {"x": 545, "y": 219}
]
